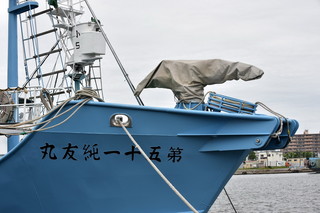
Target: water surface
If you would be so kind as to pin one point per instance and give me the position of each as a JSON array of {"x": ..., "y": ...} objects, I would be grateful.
[{"x": 284, "y": 193}]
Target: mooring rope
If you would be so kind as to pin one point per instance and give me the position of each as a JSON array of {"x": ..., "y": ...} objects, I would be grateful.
[
  {"x": 156, "y": 168},
  {"x": 281, "y": 118},
  {"x": 230, "y": 201}
]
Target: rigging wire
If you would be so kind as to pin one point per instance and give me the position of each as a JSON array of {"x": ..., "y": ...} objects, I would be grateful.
[
  {"x": 125, "y": 74},
  {"x": 230, "y": 201}
]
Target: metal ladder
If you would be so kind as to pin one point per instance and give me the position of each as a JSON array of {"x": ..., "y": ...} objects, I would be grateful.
[
  {"x": 34, "y": 58},
  {"x": 58, "y": 54},
  {"x": 95, "y": 79}
]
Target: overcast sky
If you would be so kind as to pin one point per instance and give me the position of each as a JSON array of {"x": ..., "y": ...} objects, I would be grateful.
[{"x": 282, "y": 37}]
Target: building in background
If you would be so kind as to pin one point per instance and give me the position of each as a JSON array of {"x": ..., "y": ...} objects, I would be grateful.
[
  {"x": 297, "y": 163},
  {"x": 270, "y": 158},
  {"x": 306, "y": 142},
  {"x": 266, "y": 158}
]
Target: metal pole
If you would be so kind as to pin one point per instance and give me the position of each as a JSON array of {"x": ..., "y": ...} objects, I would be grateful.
[
  {"x": 13, "y": 65},
  {"x": 13, "y": 11},
  {"x": 125, "y": 74}
]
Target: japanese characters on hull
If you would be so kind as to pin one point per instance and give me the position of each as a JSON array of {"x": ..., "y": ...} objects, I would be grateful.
[{"x": 92, "y": 152}]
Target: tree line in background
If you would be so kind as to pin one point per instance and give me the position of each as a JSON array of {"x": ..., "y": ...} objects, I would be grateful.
[
  {"x": 299, "y": 154},
  {"x": 252, "y": 155}
]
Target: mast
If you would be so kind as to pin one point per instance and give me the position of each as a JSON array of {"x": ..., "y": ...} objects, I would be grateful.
[{"x": 12, "y": 78}]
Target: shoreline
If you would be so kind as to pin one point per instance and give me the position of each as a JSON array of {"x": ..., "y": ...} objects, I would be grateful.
[{"x": 271, "y": 171}]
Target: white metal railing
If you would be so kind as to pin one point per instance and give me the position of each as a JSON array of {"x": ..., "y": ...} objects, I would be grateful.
[{"x": 31, "y": 102}]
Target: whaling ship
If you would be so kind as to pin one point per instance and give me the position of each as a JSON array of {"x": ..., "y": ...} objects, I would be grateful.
[{"x": 72, "y": 152}]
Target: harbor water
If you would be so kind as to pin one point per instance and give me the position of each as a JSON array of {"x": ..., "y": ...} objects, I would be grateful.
[{"x": 283, "y": 193}]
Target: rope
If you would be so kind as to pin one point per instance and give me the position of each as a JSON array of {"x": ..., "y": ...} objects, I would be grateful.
[
  {"x": 62, "y": 122},
  {"x": 281, "y": 118},
  {"x": 156, "y": 169},
  {"x": 26, "y": 131},
  {"x": 230, "y": 201},
  {"x": 86, "y": 94},
  {"x": 201, "y": 102}
]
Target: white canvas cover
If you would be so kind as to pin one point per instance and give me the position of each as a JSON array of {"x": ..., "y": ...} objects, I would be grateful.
[{"x": 187, "y": 78}]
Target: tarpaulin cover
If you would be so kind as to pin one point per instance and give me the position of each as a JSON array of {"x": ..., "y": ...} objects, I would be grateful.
[{"x": 187, "y": 78}]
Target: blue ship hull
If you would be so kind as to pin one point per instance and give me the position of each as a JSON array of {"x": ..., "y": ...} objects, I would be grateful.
[{"x": 87, "y": 165}]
